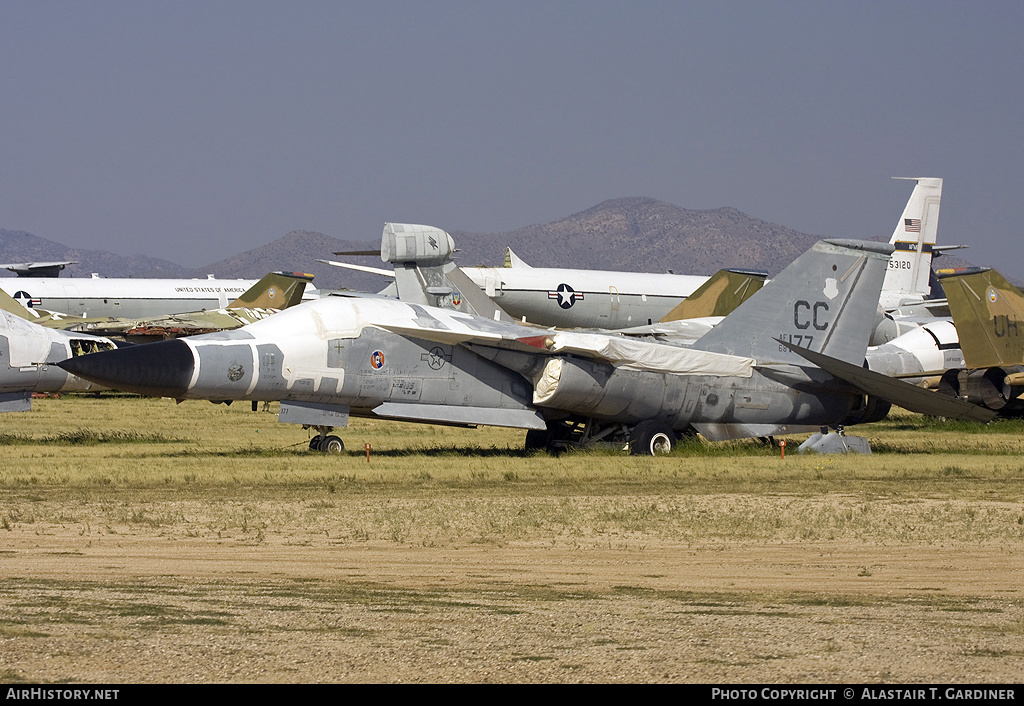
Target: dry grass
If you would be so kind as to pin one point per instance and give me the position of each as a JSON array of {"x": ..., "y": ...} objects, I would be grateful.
[
  {"x": 205, "y": 470},
  {"x": 132, "y": 442}
]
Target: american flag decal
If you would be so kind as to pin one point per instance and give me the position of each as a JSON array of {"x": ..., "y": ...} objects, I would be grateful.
[{"x": 912, "y": 225}]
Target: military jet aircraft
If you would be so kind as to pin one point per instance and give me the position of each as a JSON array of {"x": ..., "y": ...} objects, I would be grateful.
[
  {"x": 276, "y": 291},
  {"x": 377, "y": 357},
  {"x": 28, "y": 357},
  {"x": 989, "y": 316},
  {"x": 427, "y": 275}
]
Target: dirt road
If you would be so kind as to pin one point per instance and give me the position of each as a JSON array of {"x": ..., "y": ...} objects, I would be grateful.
[{"x": 309, "y": 602}]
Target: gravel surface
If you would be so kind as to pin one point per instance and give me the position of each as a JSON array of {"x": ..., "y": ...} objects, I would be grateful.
[{"x": 301, "y": 601}]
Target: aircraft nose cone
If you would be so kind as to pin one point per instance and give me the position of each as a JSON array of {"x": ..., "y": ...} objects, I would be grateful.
[{"x": 161, "y": 369}]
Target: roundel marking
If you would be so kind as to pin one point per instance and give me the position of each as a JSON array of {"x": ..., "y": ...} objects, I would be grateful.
[
  {"x": 565, "y": 295},
  {"x": 25, "y": 298}
]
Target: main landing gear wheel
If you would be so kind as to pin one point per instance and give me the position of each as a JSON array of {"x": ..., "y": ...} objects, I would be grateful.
[
  {"x": 651, "y": 438},
  {"x": 327, "y": 444},
  {"x": 332, "y": 445}
]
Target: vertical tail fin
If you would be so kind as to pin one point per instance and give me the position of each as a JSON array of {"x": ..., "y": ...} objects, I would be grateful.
[
  {"x": 824, "y": 301},
  {"x": 11, "y": 306},
  {"x": 989, "y": 315},
  {"x": 278, "y": 290},
  {"x": 513, "y": 260},
  {"x": 719, "y": 295},
  {"x": 913, "y": 238}
]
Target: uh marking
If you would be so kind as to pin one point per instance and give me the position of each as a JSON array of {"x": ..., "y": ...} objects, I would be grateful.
[
  {"x": 1004, "y": 326},
  {"x": 806, "y": 315}
]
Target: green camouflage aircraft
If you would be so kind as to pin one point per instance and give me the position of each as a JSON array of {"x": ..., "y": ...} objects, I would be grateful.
[
  {"x": 989, "y": 315},
  {"x": 276, "y": 291}
]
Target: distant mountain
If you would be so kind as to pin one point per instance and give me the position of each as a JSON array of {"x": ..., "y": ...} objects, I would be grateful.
[
  {"x": 19, "y": 246},
  {"x": 299, "y": 251},
  {"x": 643, "y": 235},
  {"x": 634, "y": 234}
]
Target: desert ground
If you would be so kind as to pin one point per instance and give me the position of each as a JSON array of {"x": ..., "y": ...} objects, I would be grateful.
[{"x": 144, "y": 542}]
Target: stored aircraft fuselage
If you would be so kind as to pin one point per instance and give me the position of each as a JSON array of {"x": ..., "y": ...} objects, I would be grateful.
[
  {"x": 583, "y": 298},
  {"x": 126, "y": 297}
]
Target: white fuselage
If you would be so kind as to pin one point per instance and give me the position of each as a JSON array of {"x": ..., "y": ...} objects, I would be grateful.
[
  {"x": 583, "y": 298},
  {"x": 28, "y": 353},
  {"x": 125, "y": 297}
]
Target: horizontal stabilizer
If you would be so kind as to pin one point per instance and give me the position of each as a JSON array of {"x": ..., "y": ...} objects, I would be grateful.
[
  {"x": 903, "y": 394},
  {"x": 38, "y": 269}
]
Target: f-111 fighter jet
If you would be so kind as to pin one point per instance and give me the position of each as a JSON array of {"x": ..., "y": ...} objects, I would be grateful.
[
  {"x": 28, "y": 357},
  {"x": 370, "y": 356}
]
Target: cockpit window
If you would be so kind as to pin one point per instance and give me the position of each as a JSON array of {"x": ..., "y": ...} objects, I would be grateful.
[{"x": 85, "y": 346}]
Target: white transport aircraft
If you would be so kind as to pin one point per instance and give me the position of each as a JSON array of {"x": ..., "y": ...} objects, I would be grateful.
[{"x": 127, "y": 297}]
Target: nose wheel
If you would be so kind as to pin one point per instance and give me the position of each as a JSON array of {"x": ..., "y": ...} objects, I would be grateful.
[{"x": 325, "y": 442}]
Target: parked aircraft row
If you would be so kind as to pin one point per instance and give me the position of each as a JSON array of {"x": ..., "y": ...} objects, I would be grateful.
[
  {"x": 449, "y": 353},
  {"x": 347, "y": 356},
  {"x": 558, "y": 297}
]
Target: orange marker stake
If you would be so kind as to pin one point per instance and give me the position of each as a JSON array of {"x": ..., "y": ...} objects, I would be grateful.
[
  {"x": 367, "y": 447},
  {"x": 782, "y": 445}
]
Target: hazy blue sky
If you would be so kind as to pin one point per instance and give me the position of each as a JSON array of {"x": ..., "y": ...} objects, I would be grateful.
[{"x": 195, "y": 130}]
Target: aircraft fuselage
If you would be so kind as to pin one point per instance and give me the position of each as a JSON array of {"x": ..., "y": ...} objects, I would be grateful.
[
  {"x": 328, "y": 353},
  {"x": 583, "y": 298},
  {"x": 126, "y": 297},
  {"x": 28, "y": 358}
]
